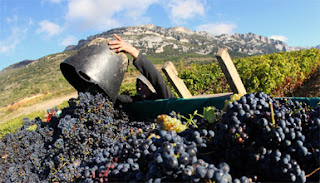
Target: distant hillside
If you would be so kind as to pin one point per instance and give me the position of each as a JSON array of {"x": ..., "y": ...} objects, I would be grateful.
[
  {"x": 29, "y": 78},
  {"x": 21, "y": 64},
  {"x": 42, "y": 76},
  {"x": 157, "y": 41}
]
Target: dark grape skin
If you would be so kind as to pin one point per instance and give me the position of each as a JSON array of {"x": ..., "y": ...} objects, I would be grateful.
[
  {"x": 184, "y": 158},
  {"x": 287, "y": 134},
  {"x": 94, "y": 142},
  {"x": 80, "y": 131}
]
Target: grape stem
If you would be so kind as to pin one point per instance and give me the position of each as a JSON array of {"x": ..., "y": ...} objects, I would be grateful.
[
  {"x": 272, "y": 115},
  {"x": 208, "y": 153},
  {"x": 62, "y": 166},
  {"x": 190, "y": 120},
  {"x": 314, "y": 171}
]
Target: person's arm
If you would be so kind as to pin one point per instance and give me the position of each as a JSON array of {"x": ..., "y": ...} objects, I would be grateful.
[
  {"x": 153, "y": 75},
  {"x": 144, "y": 66},
  {"x": 120, "y": 45}
]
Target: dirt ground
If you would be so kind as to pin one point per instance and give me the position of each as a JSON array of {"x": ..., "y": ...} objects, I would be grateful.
[{"x": 39, "y": 106}]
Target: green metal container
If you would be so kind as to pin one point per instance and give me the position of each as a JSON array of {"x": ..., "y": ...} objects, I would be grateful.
[{"x": 151, "y": 109}]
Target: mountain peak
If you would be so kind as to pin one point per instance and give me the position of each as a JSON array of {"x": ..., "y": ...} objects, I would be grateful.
[
  {"x": 20, "y": 64},
  {"x": 182, "y": 30},
  {"x": 154, "y": 39},
  {"x": 148, "y": 26}
]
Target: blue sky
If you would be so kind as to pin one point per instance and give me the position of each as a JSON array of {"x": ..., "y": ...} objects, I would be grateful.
[{"x": 31, "y": 29}]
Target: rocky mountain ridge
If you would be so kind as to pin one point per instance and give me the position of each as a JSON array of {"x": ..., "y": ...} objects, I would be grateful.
[
  {"x": 24, "y": 63},
  {"x": 153, "y": 39}
]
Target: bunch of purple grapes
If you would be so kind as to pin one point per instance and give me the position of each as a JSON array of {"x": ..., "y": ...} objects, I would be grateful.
[
  {"x": 23, "y": 152},
  {"x": 270, "y": 140},
  {"x": 258, "y": 138}
]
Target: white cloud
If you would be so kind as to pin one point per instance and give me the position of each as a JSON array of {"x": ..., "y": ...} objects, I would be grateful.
[
  {"x": 49, "y": 28},
  {"x": 217, "y": 28},
  {"x": 70, "y": 40},
  {"x": 279, "y": 37},
  {"x": 10, "y": 43},
  {"x": 102, "y": 14},
  {"x": 181, "y": 10},
  {"x": 19, "y": 28},
  {"x": 30, "y": 22},
  {"x": 13, "y": 19}
]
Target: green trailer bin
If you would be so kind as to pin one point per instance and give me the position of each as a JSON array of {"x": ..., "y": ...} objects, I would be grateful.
[{"x": 152, "y": 108}]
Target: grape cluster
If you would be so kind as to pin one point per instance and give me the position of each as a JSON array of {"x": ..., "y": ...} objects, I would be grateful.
[
  {"x": 257, "y": 138},
  {"x": 169, "y": 123},
  {"x": 258, "y": 132},
  {"x": 22, "y": 152},
  {"x": 178, "y": 157}
]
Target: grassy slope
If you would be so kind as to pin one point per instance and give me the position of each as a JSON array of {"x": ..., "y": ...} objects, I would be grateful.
[{"x": 42, "y": 77}]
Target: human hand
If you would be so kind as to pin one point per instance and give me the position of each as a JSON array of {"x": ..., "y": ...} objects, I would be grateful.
[{"x": 121, "y": 45}]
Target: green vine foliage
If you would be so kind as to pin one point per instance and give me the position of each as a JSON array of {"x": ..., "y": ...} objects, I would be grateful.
[
  {"x": 128, "y": 89},
  {"x": 204, "y": 79},
  {"x": 277, "y": 74}
]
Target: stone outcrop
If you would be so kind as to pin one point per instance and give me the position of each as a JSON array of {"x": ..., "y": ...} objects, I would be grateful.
[{"x": 154, "y": 39}]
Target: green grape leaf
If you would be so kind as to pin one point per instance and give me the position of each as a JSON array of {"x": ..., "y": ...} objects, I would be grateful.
[{"x": 209, "y": 114}]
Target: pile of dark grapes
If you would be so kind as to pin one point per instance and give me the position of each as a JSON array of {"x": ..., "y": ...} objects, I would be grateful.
[
  {"x": 257, "y": 139},
  {"x": 270, "y": 140}
]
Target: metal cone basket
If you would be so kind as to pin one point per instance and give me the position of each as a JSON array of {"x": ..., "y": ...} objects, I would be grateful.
[{"x": 96, "y": 65}]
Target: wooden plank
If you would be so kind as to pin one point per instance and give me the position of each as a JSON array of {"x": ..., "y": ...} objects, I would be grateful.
[
  {"x": 177, "y": 83},
  {"x": 213, "y": 95},
  {"x": 230, "y": 72}
]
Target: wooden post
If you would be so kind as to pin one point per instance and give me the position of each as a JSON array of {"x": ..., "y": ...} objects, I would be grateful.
[
  {"x": 178, "y": 84},
  {"x": 230, "y": 72}
]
